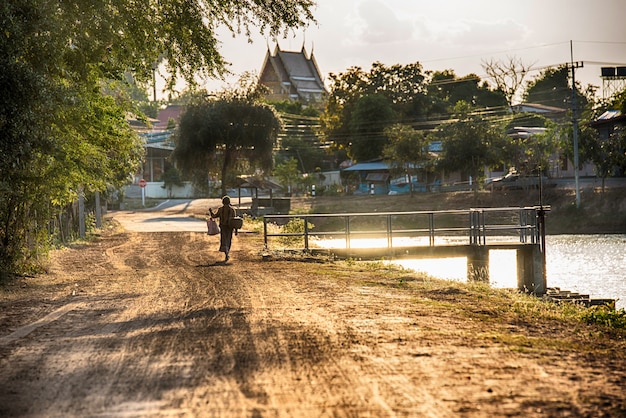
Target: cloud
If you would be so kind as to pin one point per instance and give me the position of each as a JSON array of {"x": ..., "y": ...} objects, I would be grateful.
[
  {"x": 375, "y": 23},
  {"x": 476, "y": 35}
]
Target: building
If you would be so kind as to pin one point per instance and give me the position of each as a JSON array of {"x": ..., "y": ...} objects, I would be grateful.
[
  {"x": 292, "y": 76},
  {"x": 548, "y": 112},
  {"x": 610, "y": 123}
]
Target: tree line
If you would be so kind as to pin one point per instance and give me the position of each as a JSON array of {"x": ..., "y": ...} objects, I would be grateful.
[
  {"x": 63, "y": 111},
  {"x": 395, "y": 113}
]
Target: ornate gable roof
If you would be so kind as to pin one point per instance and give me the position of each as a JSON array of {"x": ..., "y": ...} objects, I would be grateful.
[{"x": 292, "y": 75}]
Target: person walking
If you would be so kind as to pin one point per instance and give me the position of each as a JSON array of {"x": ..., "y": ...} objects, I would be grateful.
[{"x": 225, "y": 213}]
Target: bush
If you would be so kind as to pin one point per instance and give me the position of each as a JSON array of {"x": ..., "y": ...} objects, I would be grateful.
[
  {"x": 605, "y": 315},
  {"x": 294, "y": 226}
]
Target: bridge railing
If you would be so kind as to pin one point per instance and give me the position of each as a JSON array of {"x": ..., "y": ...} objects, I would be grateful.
[{"x": 477, "y": 226}]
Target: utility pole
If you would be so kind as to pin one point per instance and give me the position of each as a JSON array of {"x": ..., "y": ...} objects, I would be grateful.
[{"x": 573, "y": 65}]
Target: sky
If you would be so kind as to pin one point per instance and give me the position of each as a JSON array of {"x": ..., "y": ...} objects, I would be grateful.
[{"x": 460, "y": 35}]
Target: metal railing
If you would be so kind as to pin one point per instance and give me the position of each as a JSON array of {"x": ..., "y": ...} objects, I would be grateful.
[{"x": 480, "y": 226}]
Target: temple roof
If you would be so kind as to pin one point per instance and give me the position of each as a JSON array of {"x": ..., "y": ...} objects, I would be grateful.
[{"x": 292, "y": 74}]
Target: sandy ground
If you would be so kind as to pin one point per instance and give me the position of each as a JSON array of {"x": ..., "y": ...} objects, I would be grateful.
[{"x": 147, "y": 321}]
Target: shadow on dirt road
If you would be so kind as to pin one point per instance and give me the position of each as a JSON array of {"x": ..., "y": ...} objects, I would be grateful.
[{"x": 146, "y": 321}]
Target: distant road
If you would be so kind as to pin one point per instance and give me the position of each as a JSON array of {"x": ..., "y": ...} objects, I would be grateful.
[{"x": 172, "y": 215}]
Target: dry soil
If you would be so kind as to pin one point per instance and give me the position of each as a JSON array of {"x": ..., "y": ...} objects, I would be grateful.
[{"x": 154, "y": 324}]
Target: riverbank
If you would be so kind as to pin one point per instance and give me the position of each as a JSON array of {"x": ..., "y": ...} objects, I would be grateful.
[{"x": 599, "y": 212}]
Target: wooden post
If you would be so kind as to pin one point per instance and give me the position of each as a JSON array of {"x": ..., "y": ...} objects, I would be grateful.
[
  {"x": 98, "y": 211},
  {"x": 81, "y": 212}
]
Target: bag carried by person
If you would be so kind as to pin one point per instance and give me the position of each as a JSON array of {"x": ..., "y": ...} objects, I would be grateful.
[
  {"x": 235, "y": 222},
  {"x": 212, "y": 226}
]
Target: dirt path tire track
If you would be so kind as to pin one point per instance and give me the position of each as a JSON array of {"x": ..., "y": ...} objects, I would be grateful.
[{"x": 159, "y": 327}]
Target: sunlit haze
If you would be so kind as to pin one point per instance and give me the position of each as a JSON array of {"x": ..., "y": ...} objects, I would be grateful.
[{"x": 448, "y": 34}]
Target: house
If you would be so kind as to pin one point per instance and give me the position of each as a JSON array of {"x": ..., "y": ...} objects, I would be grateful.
[
  {"x": 374, "y": 177},
  {"x": 608, "y": 124},
  {"x": 292, "y": 76},
  {"x": 549, "y": 112},
  {"x": 158, "y": 143}
]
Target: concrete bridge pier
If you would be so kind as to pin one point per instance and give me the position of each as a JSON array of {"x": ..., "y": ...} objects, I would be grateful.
[
  {"x": 530, "y": 267},
  {"x": 531, "y": 276},
  {"x": 478, "y": 264}
]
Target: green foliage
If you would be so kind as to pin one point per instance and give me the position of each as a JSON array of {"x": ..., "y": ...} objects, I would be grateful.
[
  {"x": 171, "y": 178},
  {"x": 371, "y": 116},
  {"x": 531, "y": 155},
  {"x": 407, "y": 151},
  {"x": 606, "y": 153},
  {"x": 552, "y": 88},
  {"x": 469, "y": 143},
  {"x": 218, "y": 134},
  {"x": 397, "y": 92},
  {"x": 63, "y": 127},
  {"x": 445, "y": 90},
  {"x": 299, "y": 139},
  {"x": 287, "y": 172},
  {"x": 294, "y": 226},
  {"x": 606, "y": 316}
]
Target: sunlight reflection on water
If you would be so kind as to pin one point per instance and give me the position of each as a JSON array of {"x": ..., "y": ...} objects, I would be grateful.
[{"x": 587, "y": 264}]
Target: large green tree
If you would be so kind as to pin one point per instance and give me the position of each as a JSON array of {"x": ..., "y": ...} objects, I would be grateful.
[
  {"x": 400, "y": 89},
  {"x": 553, "y": 88},
  {"x": 299, "y": 139},
  {"x": 445, "y": 90},
  {"x": 60, "y": 134},
  {"x": 470, "y": 144},
  {"x": 371, "y": 116},
  {"x": 218, "y": 134}
]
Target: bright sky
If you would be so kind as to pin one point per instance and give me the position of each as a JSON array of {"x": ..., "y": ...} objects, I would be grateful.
[{"x": 450, "y": 34}]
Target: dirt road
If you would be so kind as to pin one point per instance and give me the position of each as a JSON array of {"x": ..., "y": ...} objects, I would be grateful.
[{"x": 152, "y": 324}]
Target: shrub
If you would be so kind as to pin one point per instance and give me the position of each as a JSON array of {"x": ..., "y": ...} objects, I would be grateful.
[{"x": 605, "y": 315}]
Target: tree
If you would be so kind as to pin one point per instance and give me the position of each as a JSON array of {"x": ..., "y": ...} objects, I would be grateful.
[
  {"x": 407, "y": 151},
  {"x": 60, "y": 134},
  {"x": 288, "y": 173},
  {"x": 224, "y": 132},
  {"x": 552, "y": 88},
  {"x": 371, "y": 116},
  {"x": 445, "y": 90},
  {"x": 508, "y": 76},
  {"x": 355, "y": 93},
  {"x": 608, "y": 154},
  {"x": 299, "y": 139},
  {"x": 469, "y": 144},
  {"x": 171, "y": 178}
]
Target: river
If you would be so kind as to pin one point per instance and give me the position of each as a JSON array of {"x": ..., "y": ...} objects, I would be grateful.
[
  {"x": 594, "y": 265},
  {"x": 587, "y": 264}
]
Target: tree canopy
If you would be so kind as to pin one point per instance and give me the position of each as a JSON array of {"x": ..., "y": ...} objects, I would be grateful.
[
  {"x": 469, "y": 144},
  {"x": 384, "y": 94},
  {"x": 217, "y": 134},
  {"x": 407, "y": 151},
  {"x": 446, "y": 89},
  {"x": 60, "y": 132}
]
